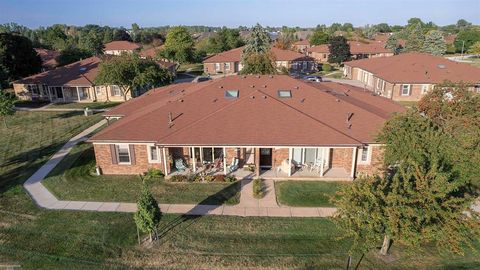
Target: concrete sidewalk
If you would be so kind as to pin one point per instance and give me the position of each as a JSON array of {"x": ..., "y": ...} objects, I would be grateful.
[
  {"x": 248, "y": 206},
  {"x": 46, "y": 109}
]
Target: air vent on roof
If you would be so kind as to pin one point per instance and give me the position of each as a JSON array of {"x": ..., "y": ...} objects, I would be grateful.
[
  {"x": 284, "y": 93},
  {"x": 271, "y": 76},
  {"x": 82, "y": 69},
  {"x": 232, "y": 93},
  {"x": 302, "y": 100},
  {"x": 252, "y": 86},
  {"x": 221, "y": 86},
  {"x": 296, "y": 87},
  {"x": 258, "y": 76},
  {"x": 442, "y": 66},
  {"x": 264, "y": 86}
]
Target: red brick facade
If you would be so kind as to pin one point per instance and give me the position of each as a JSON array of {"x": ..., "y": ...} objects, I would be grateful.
[{"x": 375, "y": 165}]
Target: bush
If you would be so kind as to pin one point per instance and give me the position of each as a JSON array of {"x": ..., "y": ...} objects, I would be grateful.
[
  {"x": 258, "y": 191},
  {"x": 179, "y": 178},
  {"x": 153, "y": 173},
  {"x": 230, "y": 179},
  {"x": 219, "y": 178},
  {"x": 326, "y": 67}
]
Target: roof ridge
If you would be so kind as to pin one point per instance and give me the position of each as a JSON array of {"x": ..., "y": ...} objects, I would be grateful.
[{"x": 311, "y": 117}]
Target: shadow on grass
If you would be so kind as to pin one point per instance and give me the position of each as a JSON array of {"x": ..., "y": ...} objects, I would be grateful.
[{"x": 201, "y": 209}]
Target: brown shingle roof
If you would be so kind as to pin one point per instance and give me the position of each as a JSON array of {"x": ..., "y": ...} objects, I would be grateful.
[
  {"x": 302, "y": 42},
  {"x": 235, "y": 55},
  {"x": 356, "y": 48},
  {"x": 48, "y": 57},
  {"x": 323, "y": 48},
  {"x": 121, "y": 45},
  {"x": 315, "y": 115},
  {"x": 78, "y": 73},
  {"x": 418, "y": 68}
]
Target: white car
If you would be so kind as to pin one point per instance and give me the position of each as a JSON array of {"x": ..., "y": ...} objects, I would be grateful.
[{"x": 313, "y": 78}]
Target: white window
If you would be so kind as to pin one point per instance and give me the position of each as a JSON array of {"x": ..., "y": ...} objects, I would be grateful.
[
  {"x": 153, "y": 154},
  {"x": 217, "y": 66},
  {"x": 116, "y": 91},
  {"x": 424, "y": 88},
  {"x": 123, "y": 154},
  {"x": 379, "y": 84},
  {"x": 406, "y": 89},
  {"x": 98, "y": 90},
  {"x": 227, "y": 66},
  {"x": 231, "y": 94},
  {"x": 365, "y": 155},
  {"x": 477, "y": 88},
  {"x": 33, "y": 88}
]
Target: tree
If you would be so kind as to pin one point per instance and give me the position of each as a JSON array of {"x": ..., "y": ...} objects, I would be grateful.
[
  {"x": 225, "y": 39},
  {"x": 393, "y": 44},
  {"x": 7, "y": 106},
  {"x": 91, "y": 39},
  {"x": 415, "y": 39},
  {"x": 17, "y": 57},
  {"x": 53, "y": 37},
  {"x": 131, "y": 73},
  {"x": 339, "y": 50},
  {"x": 369, "y": 31},
  {"x": 286, "y": 39},
  {"x": 136, "y": 32},
  {"x": 434, "y": 43},
  {"x": 121, "y": 34},
  {"x": 179, "y": 45},
  {"x": 475, "y": 48},
  {"x": 347, "y": 27},
  {"x": 148, "y": 213},
  {"x": 70, "y": 55},
  {"x": 256, "y": 55},
  {"x": 466, "y": 38},
  {"x": 462, "y": 24},
  {"x": 383, "y": 28},
  {"x": 319, "y": 37},
  {"x": 422, "y": 198}
]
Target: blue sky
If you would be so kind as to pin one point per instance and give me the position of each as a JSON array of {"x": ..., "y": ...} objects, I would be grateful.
[{"x": 34, "y": 13}]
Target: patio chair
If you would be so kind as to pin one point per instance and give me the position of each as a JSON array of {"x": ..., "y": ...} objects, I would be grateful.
[
  {"x": 234, "y": 165},
  {"x": 179, "y": 165}
]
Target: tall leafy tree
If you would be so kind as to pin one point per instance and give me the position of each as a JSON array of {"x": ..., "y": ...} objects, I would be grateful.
[
  {"x": 475, "y": 48},
  {"x": 179, "y": 45},
  {"x": 91, "y": 39},
  {"x": 17, "y": 57},
  {"x": 434, "y": 43},
  {"x": 131, "y": 73},
  {"x": 415, "y": 39},
  {"x": 121, "y": 34},
  {"x": 54, "y": 37},
  {"x": 466, "y": 38},
  {"x": 383, "y": 28},
  {"x": 339, "y": 50},
  {"x": 148, "y": 213},
  {"x": 319, "y": 36},
  {"x": 7, "y": 106},
  {"x": 393, "y": 44},
  {"x": 421, "y": 199},
  {"x": 256, "y": 56},
  {"x": 286, "y": 39},
  {"x": 225, "y": 39},
  {"x": 369, "y": 31},
  {"x": 71, "y": 54}
]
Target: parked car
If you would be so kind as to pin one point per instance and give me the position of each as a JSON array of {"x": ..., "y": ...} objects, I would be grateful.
[
  {"x": 202, "y": 79},
  {"x": 313, "y": 78}
]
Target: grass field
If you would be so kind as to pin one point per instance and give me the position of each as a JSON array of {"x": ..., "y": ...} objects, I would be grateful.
[
  {"x": 78, "y": 105},
  {"x": 306, "y": 193},
  {"x": 39, "y": 239},
  {"x": 74, "y": 179}
]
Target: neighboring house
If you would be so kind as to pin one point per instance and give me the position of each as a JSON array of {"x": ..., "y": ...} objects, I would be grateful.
[
  {"x": 49, "y": 58},
  {"x": 359, "y": 50},
  {"x": 152, "y": 53},
  {"x": 409, "y": 76},
  {"x": 229, "y": 62},
  {"x": 301, "y": 46},
  {"x": 271, "y": 126},
  {"x": 119, "y": 47},
  {"x": 70, "y": 83}
]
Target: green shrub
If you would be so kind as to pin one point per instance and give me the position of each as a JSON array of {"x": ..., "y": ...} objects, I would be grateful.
[
  {"x": 153, "y": 173},
  {"x": 326, "y": 67},
  {"x": 179, "y": 178},
  {"x": 258, "y": 191},
  {"x": 230, "y": 179},
  {"x": 220, "y": 178}
]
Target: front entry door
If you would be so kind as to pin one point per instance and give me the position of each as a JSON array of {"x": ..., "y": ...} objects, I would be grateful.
[
  {"x": 59, "y": 92},
  {"x": 265, "y": 158}
]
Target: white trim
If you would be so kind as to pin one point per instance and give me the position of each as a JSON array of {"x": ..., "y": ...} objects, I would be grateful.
[
  {"x": 224, "y": 161},
  {"x": 369, "y": 155},
  {"x": 425, "y": 88},
  {"x": 165, "y": 162},
  {"x": 290, "y": 156},
  {"x": 149, "y": 153},
  {"x": 237, "y": 146},
  {"x": 355, "y": 152},
  {"x": 409, "y": 90}
]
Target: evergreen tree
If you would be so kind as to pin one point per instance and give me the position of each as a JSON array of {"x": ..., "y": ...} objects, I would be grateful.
[
  {"x": 339, "y": 50},
  {"x": 434, "y": 43},
  {"x": 415, "y": 39},
  {"x": 148, "y": 213},
  {"x": 256, "y": 56},
  {"x": 393, "y": 44}
]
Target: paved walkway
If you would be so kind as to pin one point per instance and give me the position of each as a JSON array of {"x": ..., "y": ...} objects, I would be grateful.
[{"x": 248, "y": 205}]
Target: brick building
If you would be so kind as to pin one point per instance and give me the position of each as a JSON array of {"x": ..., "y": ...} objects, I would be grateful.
[
  {"x": 275, "y": 126},
  {"x": 409, "y": 76},
  {"x": 229, "y": 62},
  {"x": 358, "y": 50}
]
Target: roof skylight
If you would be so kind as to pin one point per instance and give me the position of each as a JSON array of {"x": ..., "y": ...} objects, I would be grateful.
[
  {"x": 284, "y": 93},
  {"x": 232, "y": 93}
]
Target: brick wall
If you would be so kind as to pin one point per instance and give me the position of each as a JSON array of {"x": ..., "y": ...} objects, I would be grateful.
[
  {"x": 341, "y": 157},
  {"x": 415, "y": 92},
  {"x": 104, "y": 161},
  {"x": 375, "y": 165},
  {"x": 209, "y": 68},
  {"x": 279, "y": 155}
]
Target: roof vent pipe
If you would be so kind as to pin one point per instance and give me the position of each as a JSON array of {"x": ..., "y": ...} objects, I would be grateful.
[{"x": 170, "y": 120}]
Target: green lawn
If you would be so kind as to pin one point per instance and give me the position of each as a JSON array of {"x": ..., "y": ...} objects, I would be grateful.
[
  {"x": 74, "y": 179},
  {"x": 194, "y": 67},
  {"x": 78, "y": 105},
  {"x": 306, "y": 193},
  {"x": 30, "y": 104},
  {"x": 408, "y": 104},
  {"x": 42, "y": 239},
  {"x": 474, "y": 62}
]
